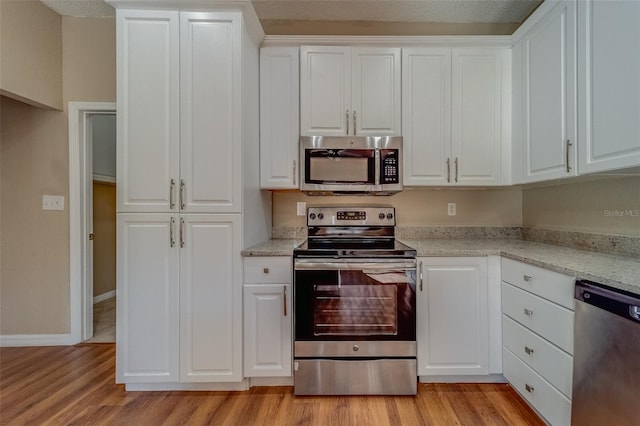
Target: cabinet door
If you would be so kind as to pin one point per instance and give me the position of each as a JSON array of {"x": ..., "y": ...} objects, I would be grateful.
[
  {"x": 376, "y": 89},
  {"x": 609, "y": 84},
  {"x": 479, "y": 93},
  {"x": 148, "y": 110},
  {"x": 279, "y": 117},
  {"x": 267, "y": 330},
  {"x": 426, "y": 115},
  {"x": 210, "y": 298},
  {"x": 210, "y": 95},
  {"x": 325, "y": 91},
  {"x": 147, "y": 298},
  {"x": 549, "y": 96},
  {"x": 452, "y": 318}
]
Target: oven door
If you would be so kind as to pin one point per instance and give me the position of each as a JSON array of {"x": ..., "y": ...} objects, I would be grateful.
[
  {"x": 340, "y": 167},
  {"x": 354, "y": 300}
]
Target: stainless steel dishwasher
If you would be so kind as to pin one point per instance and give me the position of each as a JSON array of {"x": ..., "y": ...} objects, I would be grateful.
[{"x": 606, "y": 361}]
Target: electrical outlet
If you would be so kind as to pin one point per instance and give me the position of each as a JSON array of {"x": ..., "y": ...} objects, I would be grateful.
[
  {"x": 451, "y": 209},
  {"x": 301, "y": 208},
  {"x": 52, "y": 202}
]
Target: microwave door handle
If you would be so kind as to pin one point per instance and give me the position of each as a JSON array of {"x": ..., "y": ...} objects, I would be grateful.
[{"x": 377, "y": 168}]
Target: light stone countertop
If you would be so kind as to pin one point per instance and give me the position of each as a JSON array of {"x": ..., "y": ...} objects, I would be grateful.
[{"x": 616, "y": 271}]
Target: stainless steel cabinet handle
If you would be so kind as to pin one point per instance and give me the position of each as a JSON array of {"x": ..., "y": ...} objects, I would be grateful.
[
  {"x": 294, "y": 172},
  {"x": 172, "y": 194},
  {"x": 265, "y": 270},
  {"x": 567, "y": 147},
  {"x": 284, "y": 298},
  {"x": 528, "y": 312},
  {"x": 528, "y": 278},
  {"x": 528, "y": 350},
  {"x": 181, "y": 233},
  {"x": 355, "y": 128},
  {"x": 172, "y": 241},
  {"x": 529, "y": 388},
  {"x": 347, "y": 114},
  {"x": 456, "y": 162},
  {"x": 421, "y": 276},
  {"x": 448, "y": 170},
  {"x": 182, "y": 191}
]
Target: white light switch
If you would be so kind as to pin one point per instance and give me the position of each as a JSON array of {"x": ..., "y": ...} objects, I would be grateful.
[
  {"x": 52, "y": 202},
  {"x": 301, "y": 208},
  {"x": 451, "y": 209}
]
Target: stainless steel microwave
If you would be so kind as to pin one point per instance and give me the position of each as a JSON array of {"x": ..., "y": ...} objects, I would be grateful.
[{"x": 351, "y": 165}]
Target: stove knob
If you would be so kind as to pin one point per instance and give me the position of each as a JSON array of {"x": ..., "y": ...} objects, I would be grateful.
[
  {"x": 312, "y": 216},
  {"x": 381, "y": 216},
  {"x": 320, "y": 216},
  {"x": 389, "y": 216}
]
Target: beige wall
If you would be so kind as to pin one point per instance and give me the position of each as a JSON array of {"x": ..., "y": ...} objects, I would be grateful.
[
  {"x": 31, "y": 53},
  {"x": 609, "y": 206},
  {"x": 428, "y": 207},
  {"x": 104, "y": 243},
  {"x": 34, "y": 286}
]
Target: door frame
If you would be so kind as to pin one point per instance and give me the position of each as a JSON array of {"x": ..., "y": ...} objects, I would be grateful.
[{"x": 80, "y": 224}]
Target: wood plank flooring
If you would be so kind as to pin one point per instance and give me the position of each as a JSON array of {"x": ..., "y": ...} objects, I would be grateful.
[{"x": 75, "y": 386}]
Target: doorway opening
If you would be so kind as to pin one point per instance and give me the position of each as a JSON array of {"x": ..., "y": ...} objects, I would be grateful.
[{"x": 92, "y": 191}]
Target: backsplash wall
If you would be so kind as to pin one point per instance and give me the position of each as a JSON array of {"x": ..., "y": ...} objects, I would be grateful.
[
  {"x": 608, "y": 205},
  {"x": 418, "y": 207}
]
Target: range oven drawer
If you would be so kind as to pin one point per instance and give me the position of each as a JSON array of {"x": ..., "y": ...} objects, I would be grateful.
[{"x": 355, "y": 377}]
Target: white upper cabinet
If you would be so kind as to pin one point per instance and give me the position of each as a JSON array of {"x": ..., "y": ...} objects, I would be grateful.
[
  {"x": 456, "y": 115},
  {"x": 426, "y": 115},
  {"x": 210, "y": 110},
  {"x": 349, "y": 91},
  {"x": 279, "y": 117},
  {"x": 609, "y": 85},
  {"x": 179, "y": 139},
  {"x": 148, "y": 119},
  {"x": 549, "y": 119}
]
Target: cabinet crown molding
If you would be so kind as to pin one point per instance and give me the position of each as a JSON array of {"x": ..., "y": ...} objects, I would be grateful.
[{"x": 395, "y": 41}]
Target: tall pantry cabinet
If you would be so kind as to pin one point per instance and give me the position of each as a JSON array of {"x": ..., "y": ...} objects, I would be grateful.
[{"x": 188, "y": 196}]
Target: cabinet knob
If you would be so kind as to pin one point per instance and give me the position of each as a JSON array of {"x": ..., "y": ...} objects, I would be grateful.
[
  {"x": 265, "y": 270},
  {"x": 528, "y": 350},
  {"x": 528, "y": 312},
  {"x": 529, "y": 388},
  {"x": 528, "y": 278}
]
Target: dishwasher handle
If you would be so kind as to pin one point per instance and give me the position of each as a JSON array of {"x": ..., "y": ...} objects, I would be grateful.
[{"x": 615, "y": 301}]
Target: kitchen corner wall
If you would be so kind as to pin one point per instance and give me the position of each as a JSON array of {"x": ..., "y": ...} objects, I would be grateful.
[
  {"x": 34, "y": 244},
  {"x": 610, "y": 205},
  {"x": 423, "y": 207}
]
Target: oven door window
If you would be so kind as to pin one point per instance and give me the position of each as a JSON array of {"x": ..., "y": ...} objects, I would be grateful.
[
  {"x": 346, "y": 166},
  {"x": 355, "y": 305}
]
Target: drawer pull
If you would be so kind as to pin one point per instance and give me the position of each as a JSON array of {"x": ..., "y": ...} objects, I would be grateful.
[
  {"x": 528, "y": 278},
  {"x": 265, "y": 270},
  {"x": 529, "y": 388},
  {"x": 528, "y": 350},
  {"x": 528, "y": 312}
]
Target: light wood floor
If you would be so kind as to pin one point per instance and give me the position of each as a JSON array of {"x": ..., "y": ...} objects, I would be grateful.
[{"x": 75, "y": 385}]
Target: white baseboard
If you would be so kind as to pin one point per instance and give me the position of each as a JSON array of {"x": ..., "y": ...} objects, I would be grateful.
[
  {"x": 104, "y": 296},
  {"x": 14, "y": 340},
  {"x": 240, "y": 386},
  {"x": 271, "y": 381},
  {"x": 490, "y": 378}
]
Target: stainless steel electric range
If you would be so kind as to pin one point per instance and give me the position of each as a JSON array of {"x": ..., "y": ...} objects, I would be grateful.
[{"x": 354, "y": 305}]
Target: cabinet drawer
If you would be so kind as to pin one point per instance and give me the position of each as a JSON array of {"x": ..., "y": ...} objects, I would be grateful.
[
  {"x": 547, "y": 284},
  {"x": 268, "y": 270},
  {"x": 553, "y": 405},
  {"x": 547, "y": 360},
  {"x": 551, "y": 321}
]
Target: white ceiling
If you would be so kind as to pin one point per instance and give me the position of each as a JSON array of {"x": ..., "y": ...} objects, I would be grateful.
[{"x": 431, "y": 11}]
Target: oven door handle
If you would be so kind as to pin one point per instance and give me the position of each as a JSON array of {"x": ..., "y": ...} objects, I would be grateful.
[{"x": 350, "y": 264}]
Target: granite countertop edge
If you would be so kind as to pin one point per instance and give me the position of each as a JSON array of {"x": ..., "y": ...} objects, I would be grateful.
[{"x": 616, "y": 271}]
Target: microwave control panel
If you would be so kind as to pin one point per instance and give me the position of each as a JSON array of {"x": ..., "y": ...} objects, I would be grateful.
[{"x": 389, "y": 167}]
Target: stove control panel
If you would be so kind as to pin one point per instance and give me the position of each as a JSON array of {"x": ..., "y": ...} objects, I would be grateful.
[{"x": 350, "y": 216}]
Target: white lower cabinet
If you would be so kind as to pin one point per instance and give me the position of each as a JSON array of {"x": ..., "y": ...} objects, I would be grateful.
[
  {"x": 179, "y": 298},
  {"x": 537, "y": 326},
  {"x": 452, "y": 316},
  {"x": 268, "y": 313}
]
